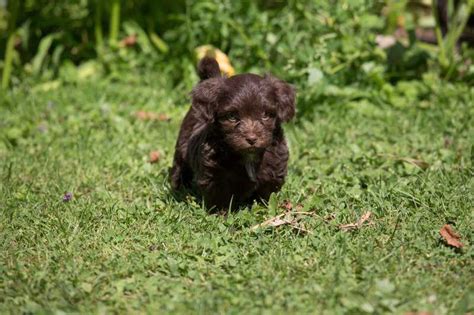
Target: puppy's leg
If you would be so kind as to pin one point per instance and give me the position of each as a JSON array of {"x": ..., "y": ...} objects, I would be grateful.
[
  {"x": 180, "y": 174},
  {"x": 219, "y": 188},
  {"x": 175, "y": 177},
  {"x": 215, "y": 192},
  {"x": 219, "y": 200},
  {"x": 266, "y": 189},
  {"x": 273, "y": 169}
]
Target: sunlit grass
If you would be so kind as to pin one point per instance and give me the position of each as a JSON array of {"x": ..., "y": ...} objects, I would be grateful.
[{"x": 124, "y": 244}]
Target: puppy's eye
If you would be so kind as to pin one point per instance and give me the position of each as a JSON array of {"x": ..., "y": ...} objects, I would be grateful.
[
  {"x": 267, "y": 116},
  {"x": 232, "y": 117}
]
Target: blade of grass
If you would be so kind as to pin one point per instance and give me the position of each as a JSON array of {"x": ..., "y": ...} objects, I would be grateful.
[
  {"x": 114, "y": 21},
  {"x": 457, "y": 23},
  {"x": 13, "y": 8},
  {"x": 99, "y": 35},
  {"x": 7, "y": 70},
  {"x": 439, "y": 36},
  {"x": 457, "y": 20},
  {"x": 43, "y": 48}
]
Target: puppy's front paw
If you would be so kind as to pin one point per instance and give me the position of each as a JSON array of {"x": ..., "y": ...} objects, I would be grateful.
[{"x": 176, "y": 177}]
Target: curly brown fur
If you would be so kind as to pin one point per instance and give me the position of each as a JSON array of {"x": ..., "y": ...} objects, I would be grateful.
[{"x": 231, "y": 145}]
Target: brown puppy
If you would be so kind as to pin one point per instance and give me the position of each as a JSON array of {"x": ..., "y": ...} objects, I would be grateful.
[{"x": 231, "y": 145}]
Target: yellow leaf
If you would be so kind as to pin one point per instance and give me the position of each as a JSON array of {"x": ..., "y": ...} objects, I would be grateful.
[{"x": 221, "y": 58}]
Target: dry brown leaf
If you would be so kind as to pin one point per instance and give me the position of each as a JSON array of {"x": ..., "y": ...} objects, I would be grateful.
[
  {"x": 447, "y": 142},
  {"x": 329, "y": 217},
  {"x": 278, "y": 222},
  {"x": 420, "y": 163},
  {"x": 285, "y": 218},
  {"x": 417, "y": 162},
  {"x": 270, "y": 222},
  {"x": 154, "y": 156},
  {"x": 141, "y": 115},
  {"x": 144, "y": 115},
  {"x": 358, "y": 224},
  {"x": 450, "y": 236},
  {"x": 287, "y": 205},
  {"x": 385, "y": 41},
  {"x": 221, "y": 58},
  {"x": 129, "y": 41}
]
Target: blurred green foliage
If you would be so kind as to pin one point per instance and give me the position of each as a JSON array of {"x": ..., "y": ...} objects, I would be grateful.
[
  {"x": 327, "y": 48},
  {"x": 372, "y": 99}
]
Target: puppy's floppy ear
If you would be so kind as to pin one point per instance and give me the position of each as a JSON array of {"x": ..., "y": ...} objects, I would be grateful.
[
  {"x": 283, "y": 95},
  {"x": 204, "y": 98}
]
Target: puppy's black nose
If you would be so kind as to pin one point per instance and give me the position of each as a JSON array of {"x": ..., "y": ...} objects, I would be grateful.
[{"x": 251, "y": 139}]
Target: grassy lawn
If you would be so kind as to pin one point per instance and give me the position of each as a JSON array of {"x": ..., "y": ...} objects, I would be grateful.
[{"x": 124, "y": 244}]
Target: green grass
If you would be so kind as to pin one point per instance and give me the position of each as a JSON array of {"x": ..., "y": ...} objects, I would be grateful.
[{"x": 124, "y": 244}]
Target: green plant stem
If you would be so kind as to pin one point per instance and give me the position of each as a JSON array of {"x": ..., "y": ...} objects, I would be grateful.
[
  {"x": 114, "y": 21},
  {"x": 457, "y": 24},
  {"x": 457, "y": 19},
  {"x": 99, "y": 37},
  {"x": 439, "y": 37},
  {"x": 13, "y": 7},
  {"x": 8, "y": 65}
]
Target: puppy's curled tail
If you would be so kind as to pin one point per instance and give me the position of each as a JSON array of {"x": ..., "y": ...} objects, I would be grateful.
[{"x": 208, "y": 68}]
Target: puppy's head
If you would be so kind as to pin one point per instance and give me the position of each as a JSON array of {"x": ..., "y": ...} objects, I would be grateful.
[{"x": 245, "y": 110}]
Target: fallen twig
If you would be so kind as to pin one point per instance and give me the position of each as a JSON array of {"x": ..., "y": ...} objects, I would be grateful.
[
  {"x": 288, "y": 218},
  {"x": 358, "y": 224}
]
